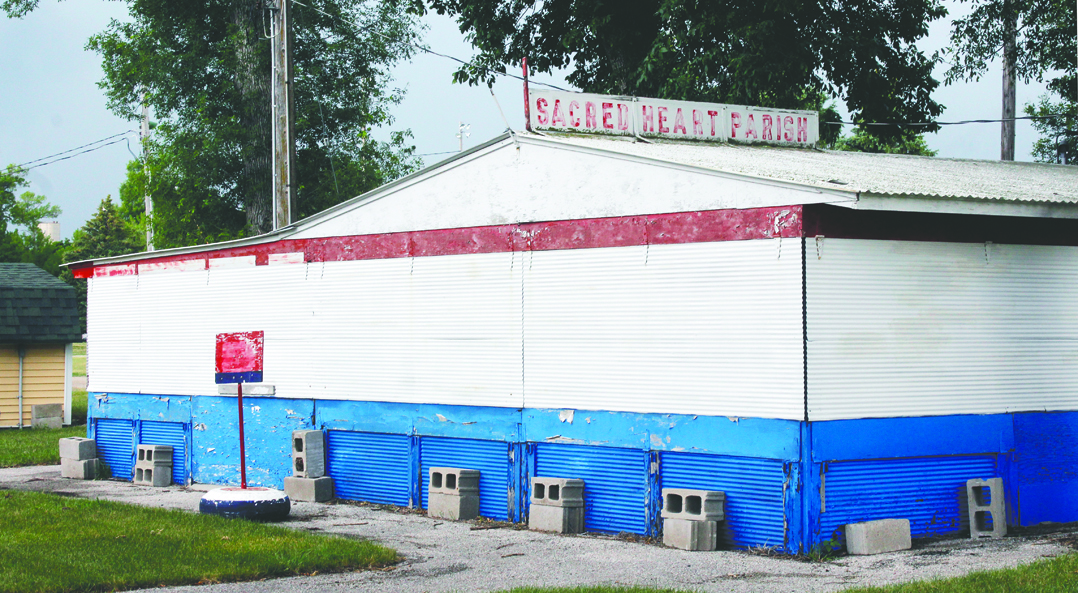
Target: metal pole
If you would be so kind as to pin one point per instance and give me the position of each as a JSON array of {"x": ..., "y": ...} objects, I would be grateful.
[
  {"x": 22, "y": 355},
  {"x": 527, "y": 101},
  {"x": 243, "y": 453},
  {"x": 145, "y": 135},
  {"x": 284, "y": 145}
]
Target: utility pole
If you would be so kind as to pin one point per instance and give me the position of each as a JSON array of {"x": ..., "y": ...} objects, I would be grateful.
[
  {"x": 462, "y": 133},
  {"x": 144, "y": 136},
  {"x": 284, "y": 141},
  {"x": 1006, "y": 147}
]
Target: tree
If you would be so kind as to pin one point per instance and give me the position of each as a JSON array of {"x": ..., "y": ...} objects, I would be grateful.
[
  {"x": 106, "y": 234},
  {"x": 767, "y": 53},
  {"x": 1059, "y": 135},
  {"x": 23, "y": 241},
  {"x": 203, "y": 67},
  {"x": 1026, "y": 34},
  {"x": 863, "y": 142}
]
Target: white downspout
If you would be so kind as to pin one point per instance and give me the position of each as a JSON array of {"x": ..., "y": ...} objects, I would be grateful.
[{"x": 22, "y": 355}]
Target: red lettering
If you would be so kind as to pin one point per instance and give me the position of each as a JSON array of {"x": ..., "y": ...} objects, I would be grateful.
[
  {"x": 557, "y": 117},
  {"x": 623, "y": 116},
  {"x": 679, "y": 122},
  {"x": 574, "y": 119},
  {"x": 713, "y": 115},
  {"x": 802, "y": 129},
  {"x": 607, "y": 114},
  {"x": 540, "y": 111},
  {"x": 787, "y": 128},
  {"x": 697, "y": 123},
  {"x": 765, "y": 133},
  {"x": 589, "y": 115},
  {"x": 735, "y": 123},
  {"x": 648, "y": 119},
  {"x": 750, "y": 128},
  {"x": 662, "y": 120}
]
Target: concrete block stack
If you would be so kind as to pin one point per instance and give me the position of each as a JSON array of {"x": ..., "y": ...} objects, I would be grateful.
[
  {"x": 691, "y": 518},
  {"x": 987, "y": 510},
  {"x": 877, "y": 537},
  {"x": 47, "y": 416},
  {"x": 153, "y": 465},
  {"x": 453, "y": 493},
  {"x": 557, "y": 504},
  {"x": 78, "y": 458},
  {"x": 309, "y": 482}
]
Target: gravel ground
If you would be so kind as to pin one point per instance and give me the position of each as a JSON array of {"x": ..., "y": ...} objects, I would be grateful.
[{"x": 447, "y": 556}]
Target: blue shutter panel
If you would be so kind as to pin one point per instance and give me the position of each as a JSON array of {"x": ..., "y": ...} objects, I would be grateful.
[
  {"x": 615, "y": 483},
  {"x": 173, "y": 434},
  {"x": 369, "y": 466},
  {"x": 491, "y": 458},
  {"x": 116, "y": 445}
]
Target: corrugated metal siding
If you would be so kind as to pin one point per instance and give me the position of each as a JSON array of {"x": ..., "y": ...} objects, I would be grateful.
[
  {"x": 174, "y": 434},
  {"x": 436, "y": 329},
  {"x": 929, "y": 491},
  {"x": 615, "y": 483},
  {"x": 370, "y": 466},
  {"x": 699, "y": 328},
  {"x": 116, "y": 445},
  {"x": 491, "y": 458},
  {"x": 914, "y": 328},
  {"x": 754, "y": 493}
]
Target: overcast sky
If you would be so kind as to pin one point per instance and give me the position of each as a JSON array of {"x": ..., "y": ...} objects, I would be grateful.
[{"x": 51, "y": 103}]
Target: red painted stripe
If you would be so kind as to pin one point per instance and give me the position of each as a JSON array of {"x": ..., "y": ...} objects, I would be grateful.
[{"x": 682, "y": 227}]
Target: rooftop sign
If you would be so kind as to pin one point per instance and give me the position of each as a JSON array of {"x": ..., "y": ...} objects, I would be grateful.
[{"x": 561, "y": 111}]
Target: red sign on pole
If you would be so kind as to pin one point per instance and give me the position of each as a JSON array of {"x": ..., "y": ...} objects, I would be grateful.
[{"x": 239, "y": 357}]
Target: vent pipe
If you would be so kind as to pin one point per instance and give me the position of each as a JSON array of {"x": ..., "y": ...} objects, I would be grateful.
[{"x": 22, "y": 355}]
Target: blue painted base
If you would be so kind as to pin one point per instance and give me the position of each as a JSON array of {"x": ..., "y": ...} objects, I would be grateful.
[{"x": 789, "y": 485}]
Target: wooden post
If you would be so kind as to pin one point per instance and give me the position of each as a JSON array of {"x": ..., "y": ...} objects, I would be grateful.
[
  {"x": 284, "y": 143},
  {"x": 1006, "y": 147},
  {"x": 144, "y": 136}
]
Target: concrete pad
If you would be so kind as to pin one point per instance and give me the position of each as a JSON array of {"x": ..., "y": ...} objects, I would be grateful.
[
  {"x": 877, "y": 537},
  {"x": 48, "y": 422},
  {"x": 46, "y": 411},
  {"x": 464, "y": 507},
  {"x": 78, "y": 448},
  {"x": 558, "y": 519},
  {"x": 309, "y": 489},
  {"x": 692, "y": 535},
  {"x": 85, "y": 469}
]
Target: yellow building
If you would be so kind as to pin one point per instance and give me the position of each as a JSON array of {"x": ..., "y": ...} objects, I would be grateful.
[{"x": 39, "y": 321}]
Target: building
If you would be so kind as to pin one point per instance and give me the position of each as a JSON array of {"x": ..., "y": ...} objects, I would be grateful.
[
  {"x": 38, "y": 323},
  {"x": 825, "y": 337}
]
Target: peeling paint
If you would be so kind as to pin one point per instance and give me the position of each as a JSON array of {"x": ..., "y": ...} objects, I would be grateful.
[
  {"x": 566, "y": 416},
  {"x": 200, "y": 427},
  {"x": 441, "y": 418}
]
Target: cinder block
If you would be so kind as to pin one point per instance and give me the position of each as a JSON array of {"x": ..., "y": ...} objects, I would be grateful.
[
  {"x": 309, "y": 489},
  {"x": 453, "y": 480},
  {"x": 154, "y": 454},
  {"x": 877, "y": 537},
  {"x": 692, "y": 535},
  {"x": 50, "y": 422},
  {"x": 78, "y": 448},
  {"x": 692, "y": 505},
  {"x": 559, "y": 519},
  {"x": 308, "y": 454},
  {"x": 149, "y": 473},
  {"x": 455, "y": 507},
  {"x": 559, "y": 492},
  {"x": 42, "y": 411},
  {"x": 78, "y": 469},
  {"x": 987, "y": 508}
]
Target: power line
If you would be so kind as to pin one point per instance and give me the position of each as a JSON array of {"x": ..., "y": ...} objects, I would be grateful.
[
  {"x": 944, "y": 123},
  {"x": 46, "y": 158},
  {"x": 426, "y": 49}
]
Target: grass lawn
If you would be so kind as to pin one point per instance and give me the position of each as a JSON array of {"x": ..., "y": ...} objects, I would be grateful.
[
  {"x": 40, "y": 446},
  {"x": 1051, "y": 575},
  {"x": 51, "y": 543},
  {"x": 78, "y": 366},
  {"x": 78, "y": 348}
]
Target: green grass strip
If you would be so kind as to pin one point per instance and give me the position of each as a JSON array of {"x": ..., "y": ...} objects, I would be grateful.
[
  {"x": 594, "y": 589},
  {"x": 50, "y": 543},
  {"x": 1051, "y": 575},
  {"x": 34, "y": 446}
]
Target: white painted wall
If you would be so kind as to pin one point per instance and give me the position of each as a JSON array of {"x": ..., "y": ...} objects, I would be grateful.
[
  {"x": 914, "y": 329},
  {"x": 534, "y": 182},
  {"x": 704, "y": 328}
]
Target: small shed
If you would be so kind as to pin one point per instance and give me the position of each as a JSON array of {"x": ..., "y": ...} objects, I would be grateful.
[
  {"x": 825, "y": 337},
  {"x": 39, "y": 321}
]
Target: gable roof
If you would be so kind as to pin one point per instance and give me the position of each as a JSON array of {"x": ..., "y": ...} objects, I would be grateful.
[{"x": 36, "y": 307}]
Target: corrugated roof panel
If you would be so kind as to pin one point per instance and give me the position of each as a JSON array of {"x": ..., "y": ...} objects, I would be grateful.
[{"x": 912, "y": 329}]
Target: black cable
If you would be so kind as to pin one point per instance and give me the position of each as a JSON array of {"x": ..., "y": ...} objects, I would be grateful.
[
  {"x": 24, "y": 168},
  {"x": 45, "y": 158},
  {"x": 428, "y": 50},
  {"x": 945, "y": 123}
]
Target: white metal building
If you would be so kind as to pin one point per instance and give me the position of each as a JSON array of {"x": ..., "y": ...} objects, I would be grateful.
[{"x": 826, "y": 337}]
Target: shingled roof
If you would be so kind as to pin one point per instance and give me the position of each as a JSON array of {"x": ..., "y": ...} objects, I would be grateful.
[{"x": 36, "y": 307}]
